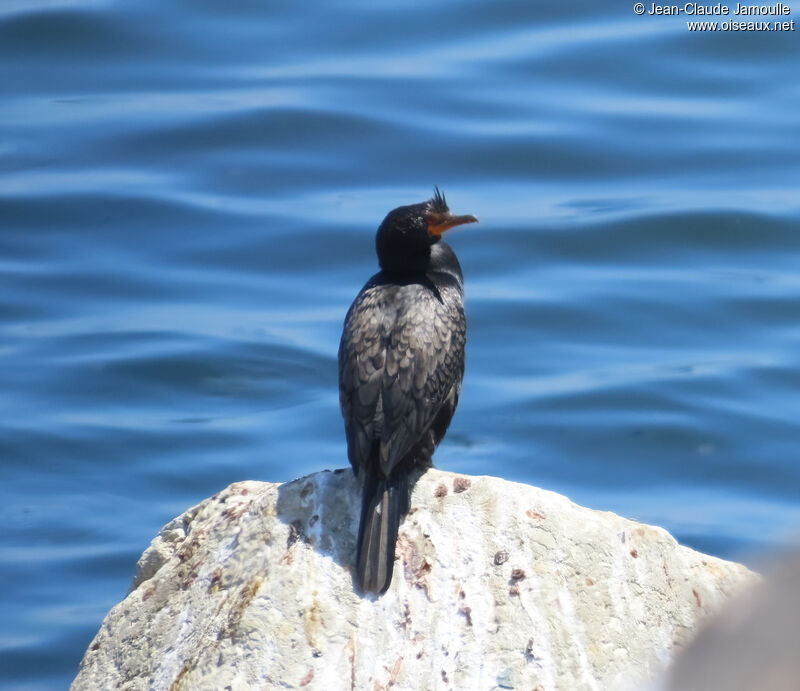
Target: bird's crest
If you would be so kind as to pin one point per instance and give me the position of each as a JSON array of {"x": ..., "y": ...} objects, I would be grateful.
[{"x": 438, "y": 202}]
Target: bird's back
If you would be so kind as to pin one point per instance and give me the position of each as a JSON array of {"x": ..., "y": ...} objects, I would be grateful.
[{"x": 401, "y": 360}]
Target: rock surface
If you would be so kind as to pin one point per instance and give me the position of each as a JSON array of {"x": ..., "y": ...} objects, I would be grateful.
[{"x": 496, "y": 585}]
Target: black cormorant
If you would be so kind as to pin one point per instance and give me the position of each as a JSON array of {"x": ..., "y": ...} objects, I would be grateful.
[{"x": 401, "y": 362}]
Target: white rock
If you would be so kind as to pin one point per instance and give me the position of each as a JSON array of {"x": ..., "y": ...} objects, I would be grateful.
[{"x": 496, "y": 585}]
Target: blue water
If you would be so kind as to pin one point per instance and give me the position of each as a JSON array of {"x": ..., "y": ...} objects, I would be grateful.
[{"x": 188, "y": 197}]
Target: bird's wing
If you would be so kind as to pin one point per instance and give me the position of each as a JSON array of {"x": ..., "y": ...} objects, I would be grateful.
[
  {"x": 401, "y": 355},
  {"x": 361, "y": 358}
]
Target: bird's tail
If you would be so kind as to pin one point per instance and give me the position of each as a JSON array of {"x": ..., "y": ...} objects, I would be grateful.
[{"x": 384, "y": 503}]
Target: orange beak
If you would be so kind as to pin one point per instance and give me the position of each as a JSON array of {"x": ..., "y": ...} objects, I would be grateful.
[{"x": 439, "y": 223}]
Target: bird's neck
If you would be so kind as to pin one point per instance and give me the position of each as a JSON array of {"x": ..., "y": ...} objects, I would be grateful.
[
  {"x": 404, "y": 262},
  {"x": 444, "y": 261}
]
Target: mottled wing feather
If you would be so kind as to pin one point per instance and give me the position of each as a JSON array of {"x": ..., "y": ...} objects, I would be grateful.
[
  {"x": 361, "y": 357},
  {"x": 400, "y": 358}
]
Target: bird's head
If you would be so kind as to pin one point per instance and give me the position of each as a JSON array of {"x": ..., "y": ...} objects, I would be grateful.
[{"x": 405, "y": 237}]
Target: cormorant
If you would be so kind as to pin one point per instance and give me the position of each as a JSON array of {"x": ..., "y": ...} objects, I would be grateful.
[{"x": 401, "y": 362}]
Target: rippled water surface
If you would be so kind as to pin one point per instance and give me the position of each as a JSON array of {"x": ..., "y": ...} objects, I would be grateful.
[{"x": 188, "y": 197}]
